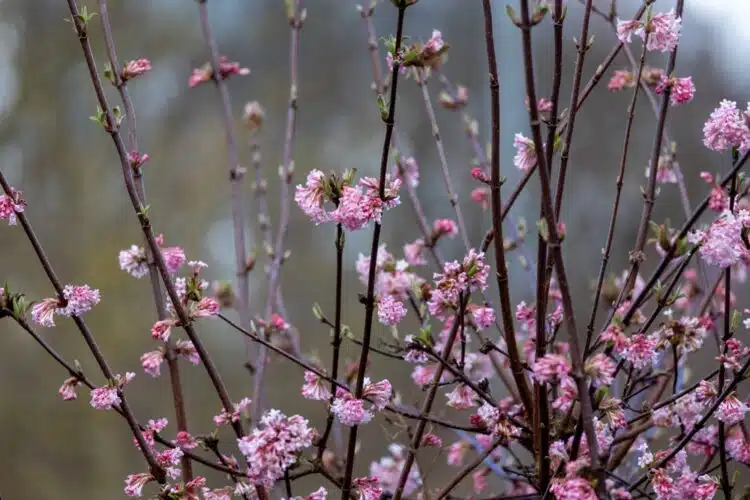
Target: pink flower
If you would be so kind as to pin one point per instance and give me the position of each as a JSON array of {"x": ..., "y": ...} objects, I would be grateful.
[
  {"x": 151, "y": 362},
  {"x": 169, "y": 460},
  {"x": 379, "y": 393},
  {"x": 726, "y": 128},
  {"x": 388, "y": 472},
  {"x": 682, "y": 89},
  {"x": 721, "y": 244},
  {"x": 135, "y": 68},
  {"x": 161, "y": 329},
  {"x": 408, "y": 170},
  {"x": 186, "y": 350},
  {"x": 311, "y": 197},
  {"x": 67, "y": 390},
  {"x": 11, "y": 205},
  {"x": 348, "y": 410},
  {"x": 273, "y": 446},
  {"x": 620, "y": 81},
  {"x": 134, "y": 262},
  {"x": 572, "y": 488},
  {"x": 153, "y": 427},
  {"x": 461, "y": 398},
  {"x": 600, "y": 368},
  {"x": 640, "y": 351},
  {"x": 444, "y": 227},
  {"x": 174, "y": 258},
  {"x": 483, "y": 317},
  {"x": 551, "y": 368},
  {"x": 368, "y": 488},
  {"x": 731, "y": 411},
  {"x": 432, "y": 441},
  {"x": 456, "y": 453},
  {"x": 206, "y": 74},
  {"x": 185, "y": 441},
  {"x": 134, "y": 483},
  {"x": 481, "y": 195},
  {"x": 361, "y": 205},
  {"x": 664, "y": 32},
  {"x": 104, "y": 398},
  {"x": 479, "y": 480},
  {"x": 544, "y": 105},
  {"x": 79, "y": 300},
  {"x": 413, "y": 253},
  {"x": 43, "y": 312},
  {"x": 226, "y": 417},
  {"x": 137, "y": 159},
  {"x": 315, "y": 387},
  {"x": 525, "y": 158},
  {"x": 434, "y": 44},
  {"x": 205, "y": 308},
  {"x": 390, "y": 310},
  {"x": 625, "y": 29}
]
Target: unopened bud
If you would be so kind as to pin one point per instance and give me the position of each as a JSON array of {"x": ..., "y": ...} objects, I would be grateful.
[{"x": 253, "y": 116}]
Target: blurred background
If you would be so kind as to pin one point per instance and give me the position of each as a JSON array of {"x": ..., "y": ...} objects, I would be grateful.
[{"x": 70, "y": 176}]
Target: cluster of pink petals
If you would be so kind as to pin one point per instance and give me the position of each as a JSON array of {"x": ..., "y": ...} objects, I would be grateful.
[
  {"x": 11, "y": 205},
  {"x": 226, "y": 417},
  {"x": 135, "y": 68},
  {"x": 721, "y": 244},
  {"x": 388, "y": 471},
  {"x": 727, "y": 128},
  {"x": 368, "y": 488},
  {"x": 621, "y": 80},
  {"x": 357, "y": 206},
  {"x": 352, "y": 411},
  {"x": 135, "y": 262},
  {"x": 77, "y": 300},
  {"x": 551, "y": 369},
  {"x": 206, "y": 74},
  {"x": 104, "y": 398},
  {"x": 67, "y": 390},
  {"x": 456, "y": 277},
  {"x": 390, "y": 310},
  {"x": 662, "y": 31},
  {"x": 273, "y": 446},
  {"x": 392, "y": 277},
  {"x": 525, "y": 158},
  {"x": 153, "y": 427},
  {"x": 682, "y": 92},
  {"x": 315, "y": 387},
  {"x": 407, "y": 170}
]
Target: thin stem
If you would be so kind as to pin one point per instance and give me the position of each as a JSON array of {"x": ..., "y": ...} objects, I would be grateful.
[
  {"x": 178, "y": 399},
  {"x": 501, "y": 268},
  {"x": 236, "y": 174},
  {"x": 296, "y": 16},
  {"x": 370, "y": 298}
]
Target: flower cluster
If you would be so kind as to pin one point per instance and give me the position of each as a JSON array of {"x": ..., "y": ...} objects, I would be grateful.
[
  {"x": 273, "y": 447},
  {"x": 76, "y": 300},
  {"x": 353, "y": 411},
  {"x": 10, "y": 205},
  {"x": 661, "y": 32},
  {"x": 206, "y": 73}
]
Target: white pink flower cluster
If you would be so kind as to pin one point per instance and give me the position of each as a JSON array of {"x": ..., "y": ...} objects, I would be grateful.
[
  {"x": 10, "y": 205},
  {"x": 76, "y": 301},
  {"x": 661, "y": 32}
]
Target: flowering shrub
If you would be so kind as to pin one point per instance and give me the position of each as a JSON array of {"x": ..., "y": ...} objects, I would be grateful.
[{"x": 600, "y": 412}]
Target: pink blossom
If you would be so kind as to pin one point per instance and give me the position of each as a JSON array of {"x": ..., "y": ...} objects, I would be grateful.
[
  {"x": 434, "y": 44},
  {"x": 600, "y": 368},
  {"x": 461, "y": 398},
  {"x": 205, "y": 308},
  {"x": 315, "y": 387},
  {"x": 134, "y": 483},
  {"x": 217, "y": 494},
  {"x": 544, "y": 105},
  {"x": 161, "y": 329},
  {"x": 479, "y": 480},
  {"x": 526, "y": 315},
  {"x": 641, "y": 351},
  {"x": 682, "y": 89},
  {"x": 481, "y": 195},
  {"x": 185, "y": 441},
  {"x": 663, "y": 32},
  {"x": 568, "y": 393},
  {"x": 390, "y": 310},
  {"x": 67, "y": 390},
  {"x": 368, "y": 488},
  {"x": 379, "y": 393},
  {"x": 620, "y": 81},
  {"x": 79, "y": 299},
  {"x": 408, "y": 170},
  {"x": 137, "y": 159},
  {"x": 726, "y": 128},
  {"x": 483, "y": 317},
  {"x": 311, "y": 197},
  {"x": 134, "y": 262},
  {"x": 388, "y": 471},
  {"x": 718, "y": 200},
  {"x": 226, "y": 417},
  {"x": 625, "y": 29},
  {"x": 43, "y": 312},
  {"x": 721, "y": 244},
  {"x": 432, "y": 441},
  {"x": 153, "y": 427},
  {"x": 360, "y": 205},
  {"x": 572, "y": 488},
  {"x": 104, "y": 398},
  {"x": 525, "y": 158},
  {"x": 551, "y": 368},
  {"x": 348, "y": 410},
  {"x": 187, "y": 351},
  {"x": 169, "y": 460},
  {"x": 151, "y": 362},
  {"x": 731, "y": 411},
  {"x": 135, "y": 68},
  {"x": 273, "y": 446},
  {"x": 456, "y": 453},
  {"x": 206, "y": 74},
  {"x": 413, "y": 253},
  {"x": 11, "y": 205},
  {"x": 174, "y": 258},
  {"x": 444, "y": 227}
]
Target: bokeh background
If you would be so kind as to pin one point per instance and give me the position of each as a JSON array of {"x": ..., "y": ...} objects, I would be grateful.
[{"x": 70, "y": 176}]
